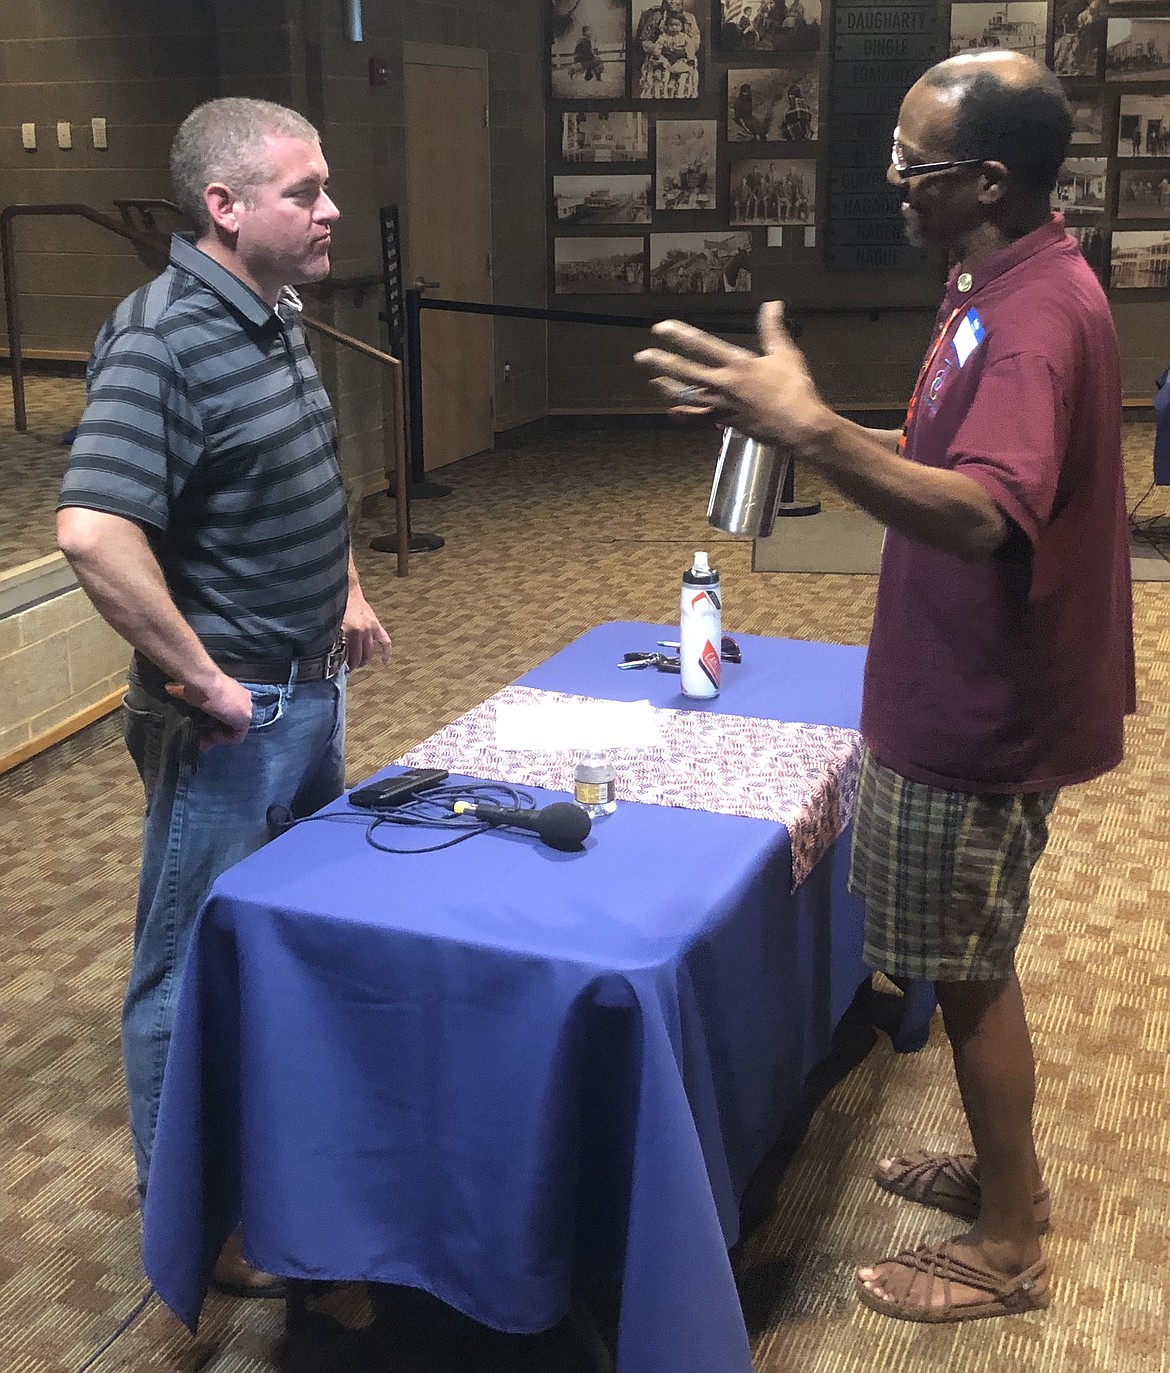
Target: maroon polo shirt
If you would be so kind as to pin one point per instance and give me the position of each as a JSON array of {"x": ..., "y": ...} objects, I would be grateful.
[{"x": 1013, "y": 673}]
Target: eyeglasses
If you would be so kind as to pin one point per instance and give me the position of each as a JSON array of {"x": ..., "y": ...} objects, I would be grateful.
[{"x": 904, "y": 171}]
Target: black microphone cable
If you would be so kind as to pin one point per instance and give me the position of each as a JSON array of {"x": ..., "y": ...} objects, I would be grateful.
[
  {"x": 432, "y": 809},
  {"x": 121, "y": 1330}
]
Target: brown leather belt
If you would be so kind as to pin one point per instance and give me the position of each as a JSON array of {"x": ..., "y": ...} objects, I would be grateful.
[{"x": 324, "y": 667}]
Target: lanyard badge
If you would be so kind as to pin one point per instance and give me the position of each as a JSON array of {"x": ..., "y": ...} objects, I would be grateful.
[{"x": 967, "y": 337}]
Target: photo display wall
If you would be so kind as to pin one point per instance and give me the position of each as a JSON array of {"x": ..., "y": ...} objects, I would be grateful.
[
  {"x": 692, "y": 143},
  {"x": 879, "y": 51}
]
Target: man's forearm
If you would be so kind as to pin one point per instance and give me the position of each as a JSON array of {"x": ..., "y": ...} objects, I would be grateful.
[
  {"x": 118, "y": 571},
  {"x": 888, "y": 438},
  {"x": 946, "y": 510}
]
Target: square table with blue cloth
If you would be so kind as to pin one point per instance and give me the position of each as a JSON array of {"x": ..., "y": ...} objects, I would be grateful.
[{"x": 500, "y": 1072}]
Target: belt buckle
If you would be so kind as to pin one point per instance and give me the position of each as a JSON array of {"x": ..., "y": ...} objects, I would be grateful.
[{"x": 335, "y": 659}]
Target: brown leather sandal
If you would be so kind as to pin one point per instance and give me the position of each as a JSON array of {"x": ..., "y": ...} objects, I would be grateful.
[
  {"x": 236, "y": 1277},
  {"x": 948, "y": 1182},
  {"x": 909, "y": 1297}
]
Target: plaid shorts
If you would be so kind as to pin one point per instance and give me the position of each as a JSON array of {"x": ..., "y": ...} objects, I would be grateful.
[{"x": 944, "y": 875}]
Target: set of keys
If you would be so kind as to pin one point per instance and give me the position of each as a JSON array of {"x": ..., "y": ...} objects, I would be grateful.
[
  {"x": 729, "y": 651},
  {"x": 659, "y": 660}
]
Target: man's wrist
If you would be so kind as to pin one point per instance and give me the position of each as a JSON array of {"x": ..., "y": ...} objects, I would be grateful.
[
  {"x": 820, "y": 441},
  {"x": 204, "y": 684}
]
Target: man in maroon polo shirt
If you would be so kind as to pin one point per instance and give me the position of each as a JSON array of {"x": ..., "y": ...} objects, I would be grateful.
[{"x": 1000, "y": 665}]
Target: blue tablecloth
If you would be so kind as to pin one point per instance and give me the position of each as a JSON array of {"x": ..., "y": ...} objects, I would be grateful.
[{"x": 500, "y": 1072}]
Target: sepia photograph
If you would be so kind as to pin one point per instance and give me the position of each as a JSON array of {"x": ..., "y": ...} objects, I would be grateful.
[
  {"x": 684, "y": 164},
  {"x": 700, "y": 264},
  {"x": 601, "y": 199},
  {"x": 1088, "y": 119},
  {"x": 1137, "y": 49},
  {"x": 604, "y": 136},
  {"x": 1091, "y": 241},
  {"x": 1021, "y": 25},
  {"x": 772, "y": 104},
  {"x": 770, "y": 25},
  {"x": 1143, "y": 126},
  {"x": 599, "y": 266},
  {"x": 1078, "y": 37},
  {"x": 773, "y": 191},
  {"x": 1144, "y": 193},
  {"x": 1080, "y": 185},
  {"x": 1138, "y": 259},
  {"x": 669, "y": 39},
  {"x": 587, "y": 52}
]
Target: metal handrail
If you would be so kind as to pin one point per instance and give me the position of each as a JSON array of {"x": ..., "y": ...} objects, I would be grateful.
[
  {"x": 144, "y": 205},
  {"x": 154, "y": 245},
  {"x": 12, "y": 290}
]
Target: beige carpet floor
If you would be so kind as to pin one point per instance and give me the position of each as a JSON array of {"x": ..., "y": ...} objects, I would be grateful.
[{"x": 576, "y": 526}]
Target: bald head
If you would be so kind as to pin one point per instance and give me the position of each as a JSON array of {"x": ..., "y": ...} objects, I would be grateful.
[
  {"x": 1000, "y": 106},
  {"x": 1008, "y": 67}
]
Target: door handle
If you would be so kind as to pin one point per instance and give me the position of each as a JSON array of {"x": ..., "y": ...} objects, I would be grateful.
[{"x": 421, "y": 284}]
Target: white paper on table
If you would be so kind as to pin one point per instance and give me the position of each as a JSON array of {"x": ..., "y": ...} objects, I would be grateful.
[{"x": 554, "y": 726}]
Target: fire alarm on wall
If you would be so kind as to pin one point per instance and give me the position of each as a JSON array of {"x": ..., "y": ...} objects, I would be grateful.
[{"x": 377, "y": 71}]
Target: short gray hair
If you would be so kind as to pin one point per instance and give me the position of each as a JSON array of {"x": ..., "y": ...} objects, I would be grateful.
[{"x": 223, "y": 140}]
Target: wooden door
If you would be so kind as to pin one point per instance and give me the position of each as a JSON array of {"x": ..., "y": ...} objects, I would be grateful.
[{"x": 448, "y": 228}]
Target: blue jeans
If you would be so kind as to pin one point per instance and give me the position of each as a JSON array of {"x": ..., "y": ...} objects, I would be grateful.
[{"x": 206, "y": 811}]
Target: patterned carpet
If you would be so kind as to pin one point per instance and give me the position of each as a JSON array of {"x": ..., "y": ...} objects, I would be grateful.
[{"x": 543, "y": 540}]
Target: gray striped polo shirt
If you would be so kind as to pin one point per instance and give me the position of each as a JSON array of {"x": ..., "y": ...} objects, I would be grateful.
[{"x": 207, "y": 425}]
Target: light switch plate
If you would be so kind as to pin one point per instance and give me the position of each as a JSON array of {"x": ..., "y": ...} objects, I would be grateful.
[
  {"x": 28, "y": 137},
  {"x": 64, "y": 134},
  {"x": 99, "y": 133}
]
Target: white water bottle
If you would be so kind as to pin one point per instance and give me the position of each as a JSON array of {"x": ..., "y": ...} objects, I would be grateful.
[{"x": 700, "y": 629}]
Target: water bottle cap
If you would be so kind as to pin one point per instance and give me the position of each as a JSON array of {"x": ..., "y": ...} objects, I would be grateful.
[{"x": 701, "y": 564}]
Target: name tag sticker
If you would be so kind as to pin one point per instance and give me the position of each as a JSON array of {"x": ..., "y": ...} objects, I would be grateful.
[{"x": 968, "y": 336}]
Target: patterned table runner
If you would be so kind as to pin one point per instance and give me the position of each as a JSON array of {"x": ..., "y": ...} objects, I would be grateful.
[{"x": 803, "y": 776}]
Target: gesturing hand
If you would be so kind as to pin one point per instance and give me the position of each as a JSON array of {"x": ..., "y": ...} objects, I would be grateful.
[{"x": 768, "y": 395}]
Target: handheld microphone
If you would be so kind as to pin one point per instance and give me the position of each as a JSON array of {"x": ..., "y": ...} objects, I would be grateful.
[{"x": 561, "y": 826}]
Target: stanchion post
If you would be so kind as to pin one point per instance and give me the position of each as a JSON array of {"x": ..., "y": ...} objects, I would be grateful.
[
  {"x": 788, "y": 504},
  {"x": 412, "y": 363},
  {"x": 421, "y": 488},
  {"x": 414, "y": 398},
  {"x": 12, "y": 309}
]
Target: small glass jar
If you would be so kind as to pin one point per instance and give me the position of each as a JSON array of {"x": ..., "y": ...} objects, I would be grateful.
[{"x": 595, "y": 783}]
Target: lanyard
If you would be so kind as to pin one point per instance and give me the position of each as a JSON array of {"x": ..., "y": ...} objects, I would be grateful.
[{"x": 924, "y": 372}]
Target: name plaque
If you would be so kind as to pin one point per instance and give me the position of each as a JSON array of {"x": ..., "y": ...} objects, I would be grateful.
[
  {"x": 868, "y": 48},
  {"x": 880, "y": 48}
]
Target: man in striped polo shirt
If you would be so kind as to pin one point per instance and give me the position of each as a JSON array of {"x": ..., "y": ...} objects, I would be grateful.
[{"x": 203, "y": 511}]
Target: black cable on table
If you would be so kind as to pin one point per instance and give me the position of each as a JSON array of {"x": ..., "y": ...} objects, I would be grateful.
[{"x": 430, "y": 809}]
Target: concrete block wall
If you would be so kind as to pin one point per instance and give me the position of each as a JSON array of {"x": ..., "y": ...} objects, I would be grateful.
[
  {"x": 139, "y": 65},
  {"x": 61, "y": 666}
]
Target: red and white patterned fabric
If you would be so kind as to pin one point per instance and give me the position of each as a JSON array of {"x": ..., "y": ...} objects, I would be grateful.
[{"x": 803, "y": 776}]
